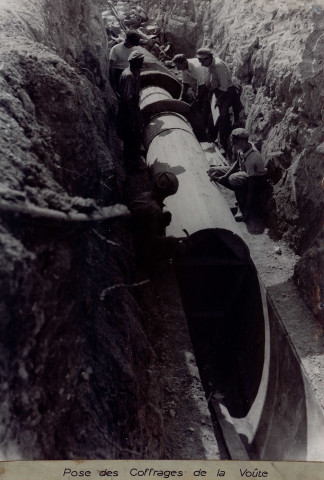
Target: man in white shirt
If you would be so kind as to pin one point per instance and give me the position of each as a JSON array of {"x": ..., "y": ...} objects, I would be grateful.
[
  {"x": 118, "y": 59},
  {"x": 219, "y": 82},
  {"x": 246, "y": 176},
  {"x": 194, "y": 90}
]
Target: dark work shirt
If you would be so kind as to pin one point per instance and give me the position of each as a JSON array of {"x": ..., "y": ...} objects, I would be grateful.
[
  {"x": 149, "y": 229},
  {"x": 129, "y": 85},
  {"x": 148, "y": 215}
]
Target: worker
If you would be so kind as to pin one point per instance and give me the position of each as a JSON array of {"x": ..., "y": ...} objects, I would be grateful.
[
  {"x": 129, "y": 120},
  {"x": 150, "y": 222},
  {"x": 194, "y": 89},
  {"x": 118, "y": 59},
  {"x": 246, "y": 176},
  {"x": 219, "y": 82}
]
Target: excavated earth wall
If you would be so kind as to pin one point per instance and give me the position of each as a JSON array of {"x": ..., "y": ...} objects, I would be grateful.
[
  {"x": 276, "y": 52},
  {"x": 74, "y": 381}
]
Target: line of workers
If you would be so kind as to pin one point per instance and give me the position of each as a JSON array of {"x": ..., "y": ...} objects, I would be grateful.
[{"x": 202, "y": 78}]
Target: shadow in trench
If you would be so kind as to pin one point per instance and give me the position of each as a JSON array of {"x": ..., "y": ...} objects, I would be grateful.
[
  {"x": 243, "y": 352},
  {"x": 188, "y": 431}
]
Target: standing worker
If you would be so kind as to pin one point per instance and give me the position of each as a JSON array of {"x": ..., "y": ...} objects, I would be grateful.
[
  {"x": 246, "y": 176},
  {"x": 194, "y": 90},
  {"x": 129, "y": 120},
  {"x": 219, "y": 82},
  {"x": 118, "y": 59},
  {"x": 150, "y": 221}
]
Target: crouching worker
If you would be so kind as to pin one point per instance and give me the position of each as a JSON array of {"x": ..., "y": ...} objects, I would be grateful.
[
  {"x": 246, "y": 177},
  {"x": 150, "y": 221}
]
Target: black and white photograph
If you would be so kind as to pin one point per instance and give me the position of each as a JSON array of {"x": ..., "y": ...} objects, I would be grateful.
[{"x": 161, "y": 235}]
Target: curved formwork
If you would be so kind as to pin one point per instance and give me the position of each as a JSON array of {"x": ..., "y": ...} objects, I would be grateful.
[
  {"x": 153, "y": 73},
  {"x": 246, "y": 361}
]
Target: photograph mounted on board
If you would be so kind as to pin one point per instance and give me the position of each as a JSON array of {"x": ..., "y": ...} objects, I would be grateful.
[{"x": 161, "y": 231}]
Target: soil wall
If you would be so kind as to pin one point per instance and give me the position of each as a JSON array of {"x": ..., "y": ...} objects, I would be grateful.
[
  {"x": 74, "y": 362},
  {"x": 74, "y": 382},
  {"x": 276, "y": 51}
]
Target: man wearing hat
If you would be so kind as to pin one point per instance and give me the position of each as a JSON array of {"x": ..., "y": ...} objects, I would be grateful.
[
  {"x": 219, "y": 82},
  {"x": 194, "y": 90},
  {"x": 118, "y": 58},
  {"x": 245, "y": 176},
  {"x": 150, "y": 221},
  {"x": 129, "y": 121}
]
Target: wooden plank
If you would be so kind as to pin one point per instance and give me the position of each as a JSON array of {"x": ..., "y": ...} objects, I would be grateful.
[
  {"x": 214, "y": 109},
  {"x": 213, "y": 155}
]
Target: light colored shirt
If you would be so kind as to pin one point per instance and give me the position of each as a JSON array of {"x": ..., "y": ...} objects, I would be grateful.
[
  {"x": 119, "y": 54},
  {"x": 196, "y": 74},
  {"x": 251, "y": 162},
  {"x": 218, "y": 75}
]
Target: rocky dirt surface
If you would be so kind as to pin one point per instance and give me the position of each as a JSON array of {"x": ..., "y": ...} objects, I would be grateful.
[
  {"x": 73, "y": 354},
  {"x": 275, "y": 50},
  {"x": 187, "y": 425},
  {"x": 86, "y": 371}
]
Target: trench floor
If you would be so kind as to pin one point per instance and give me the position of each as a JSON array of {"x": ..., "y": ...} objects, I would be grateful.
[{"x": 189, "y": 430}]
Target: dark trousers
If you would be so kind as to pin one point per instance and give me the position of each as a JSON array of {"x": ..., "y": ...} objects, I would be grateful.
[
  {"x": 130, "y": 131},
  {"x": 200, "y": 112},
  {"x": 117, "y": 74},
  {"x": 203, "y": 106},
  {"x": 248, "y": 196},
  {"x": 132, "y": 149},
  {"x": 225, "y": 100}
]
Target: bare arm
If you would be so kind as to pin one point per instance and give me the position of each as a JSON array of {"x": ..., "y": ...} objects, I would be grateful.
[
  {"x": 213, "y": 171},
  {"x": 234, "y": 168}
]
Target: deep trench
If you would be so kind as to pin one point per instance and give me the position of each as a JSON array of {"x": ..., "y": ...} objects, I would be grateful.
[{"x": 83, "y": 344}]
